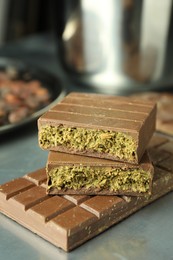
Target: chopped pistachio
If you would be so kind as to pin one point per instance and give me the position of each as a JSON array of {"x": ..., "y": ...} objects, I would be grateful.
[
  {"x": 102, "y": 141},
  {"x": 77, "y": 177}
]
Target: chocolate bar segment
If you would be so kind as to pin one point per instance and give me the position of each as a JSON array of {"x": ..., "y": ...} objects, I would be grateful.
[
  {"x": 68, "y": 222},
  {"x": 82, "y": 175},
  {"x": 117, "y": 128},
  {"x": 164, "y": 119}
]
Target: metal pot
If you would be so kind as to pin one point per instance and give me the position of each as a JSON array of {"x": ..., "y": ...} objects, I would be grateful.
[{"x": 117, "y": 46}]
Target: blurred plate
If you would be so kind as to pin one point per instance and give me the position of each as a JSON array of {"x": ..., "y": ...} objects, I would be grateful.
[{"x": 49, "y": 81}]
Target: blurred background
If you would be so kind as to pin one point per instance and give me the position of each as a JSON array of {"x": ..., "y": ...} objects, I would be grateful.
[
  {"x": 19, "y": 19},
  {"x": 113, "y": 46}
]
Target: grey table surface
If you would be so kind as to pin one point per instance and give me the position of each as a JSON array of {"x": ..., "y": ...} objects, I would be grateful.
[{"x": 147, "y": 234}]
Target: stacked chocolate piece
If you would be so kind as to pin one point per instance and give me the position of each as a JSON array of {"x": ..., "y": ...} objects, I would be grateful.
[{"x": 98, "y": 145}]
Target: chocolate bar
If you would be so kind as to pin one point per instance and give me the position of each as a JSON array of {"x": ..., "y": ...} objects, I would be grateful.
[
  {"x": 70, "y": 220},
  {"x": 96, "y": 125},
  {"x": 77, "y": 174}
]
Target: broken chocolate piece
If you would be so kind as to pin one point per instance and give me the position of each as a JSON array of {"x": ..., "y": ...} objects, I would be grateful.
[
  {"x": 96, "y": 125},
  {"x": 66, "y": 221},
  {"x": 77, "y": 174}
]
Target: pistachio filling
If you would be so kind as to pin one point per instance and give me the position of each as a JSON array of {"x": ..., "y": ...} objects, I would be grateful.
[
  {"x": 77, "y": 177},
  {"x": 101, "y": 141}
]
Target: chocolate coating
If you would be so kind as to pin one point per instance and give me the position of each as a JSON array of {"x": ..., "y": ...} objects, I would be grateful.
[{"x": 164, "y": 119}]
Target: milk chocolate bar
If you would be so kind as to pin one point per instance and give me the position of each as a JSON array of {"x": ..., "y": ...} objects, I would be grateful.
[
  {"x": 70, "y": 220},
  {"x": 110, "y": 127},
  {"x": 77, "y": 174}
]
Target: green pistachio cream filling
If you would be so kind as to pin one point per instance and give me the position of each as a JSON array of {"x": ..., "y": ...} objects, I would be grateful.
[
  {"x": 101, "y": 141},
  {"x": 77, "y": 177}
]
